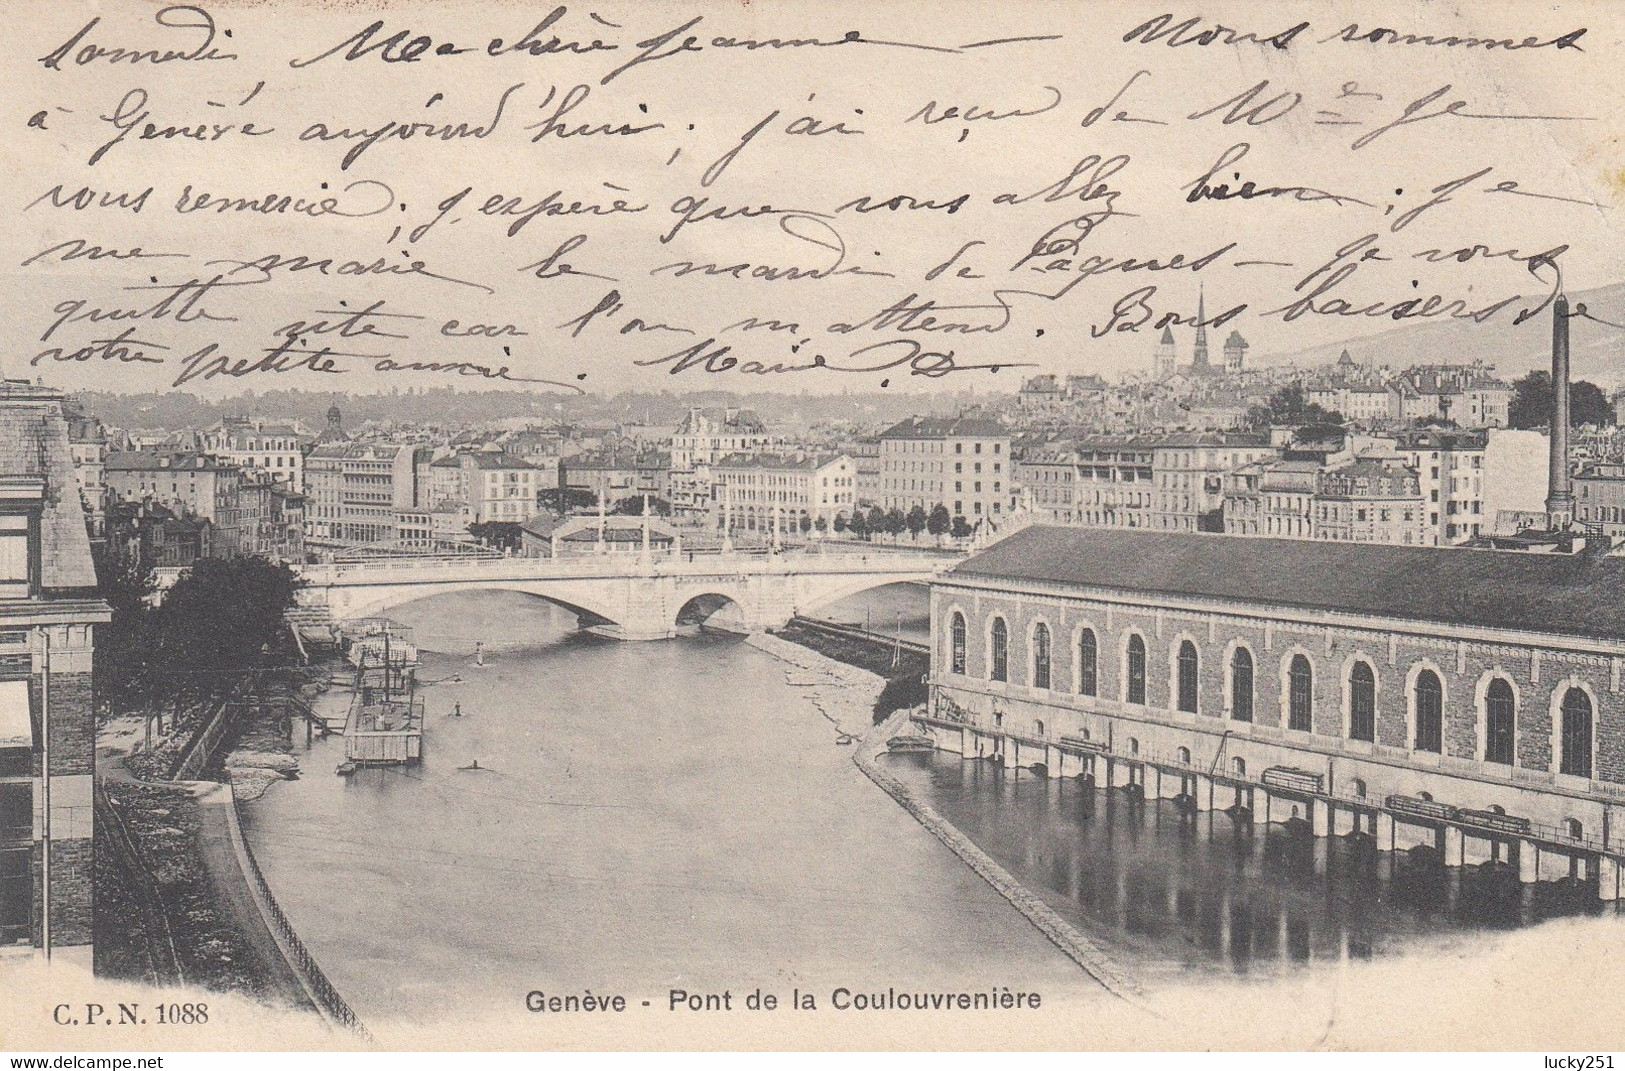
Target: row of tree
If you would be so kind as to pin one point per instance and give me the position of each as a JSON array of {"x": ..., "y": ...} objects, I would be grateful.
[{"x": 895, "y": 522}]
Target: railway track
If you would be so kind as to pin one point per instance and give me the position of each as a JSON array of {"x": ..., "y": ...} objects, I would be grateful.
[{"x": 164, "y": 965}]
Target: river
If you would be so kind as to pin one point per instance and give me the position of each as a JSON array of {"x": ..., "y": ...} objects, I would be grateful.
[
  {"x": 657, "y": 815},
  {"x": 652, "y": 815}
]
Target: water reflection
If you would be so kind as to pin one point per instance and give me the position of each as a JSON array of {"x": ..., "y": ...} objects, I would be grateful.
[{"x": 1170, "y": 891}]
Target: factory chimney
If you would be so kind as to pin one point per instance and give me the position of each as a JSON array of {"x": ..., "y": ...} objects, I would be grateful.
[{"x": 1559, "y": 498}]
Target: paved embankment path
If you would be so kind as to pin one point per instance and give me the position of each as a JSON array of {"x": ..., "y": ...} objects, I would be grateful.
[
  {"x": 845, "y": 695},
  {"x": 216, "y": 817}
]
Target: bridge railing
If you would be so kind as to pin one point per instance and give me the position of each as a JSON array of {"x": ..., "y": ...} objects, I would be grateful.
[{"x": 662, "y": 564}]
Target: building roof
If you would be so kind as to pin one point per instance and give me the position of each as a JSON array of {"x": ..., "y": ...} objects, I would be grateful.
[
  {"x": 955, "y": 427},
  {"x": 34, "y": 449},
  {"x": 723, "y": 420},
  {"x": 778, "y": 462},
  {"x": 1562, "y": 594},
  {"x": 617, "y": 460},
  {"x": 166, "y": 461},
  {"x": 1435, "y": 439},
  {"x": 484, "y": 459},
  {"x": 1188, "y": 439},
  {"x": 1446, "y": 379}
]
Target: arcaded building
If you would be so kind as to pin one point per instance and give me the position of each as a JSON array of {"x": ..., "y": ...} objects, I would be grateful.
[
  {"x": 48, "y": 613},
  {"x": 1470, "y": 699}
]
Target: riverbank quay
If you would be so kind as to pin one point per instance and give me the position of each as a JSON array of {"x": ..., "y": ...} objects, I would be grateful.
[
  {"x": 843, "y": 694},
  {"x": 900, "y": 669},
  {"x": 206, "y": 915}
]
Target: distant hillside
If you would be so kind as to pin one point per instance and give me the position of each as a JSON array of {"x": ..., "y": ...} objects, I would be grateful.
[
  {"x": 1597, "y": 350},
  {"x": 447, "y": 406}
]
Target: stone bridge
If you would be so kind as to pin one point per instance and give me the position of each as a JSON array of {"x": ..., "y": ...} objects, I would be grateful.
[{"x": 636, "y": 597}]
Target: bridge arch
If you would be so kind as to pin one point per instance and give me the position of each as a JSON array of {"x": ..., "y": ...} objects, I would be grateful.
[
  {"x": 584, "y": 605},
  {"x": 719, "y": 609},
  {"x": 834, "y": 589}
]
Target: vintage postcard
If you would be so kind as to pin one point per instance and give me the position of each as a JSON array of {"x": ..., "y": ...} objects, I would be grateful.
[{"x": 770, "y": 524}]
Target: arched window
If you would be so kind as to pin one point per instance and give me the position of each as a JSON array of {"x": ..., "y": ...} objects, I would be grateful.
[
  {"x": 1187, "y": 677},
  {"x": 1238, "y": 766},
  {"x": 958, "y": 632},
  {"x": 1088, "y": 680},
  {"x": 1041, "y": 655},
  {"x": 1357, "y": 786},
  {"x": 1499, "y": 719},
  {"x": 1241, "y": 685},
  {"x": 1300, "y": 694},
  {"x": 1184, "y": 756},
  {"x": 1576, "y": 733},
  {"x": 1429, "y": 700},
  {"x": 1000, "y": 656},
  {"x": 1136, "y": 670},
  {"x": 1362, "y": 703}
]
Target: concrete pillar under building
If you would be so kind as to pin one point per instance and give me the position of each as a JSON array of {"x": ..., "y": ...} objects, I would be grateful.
[
  {"x": 1528, "y": 862},
  {"x": 1120, "y": 773},
  {"x": 1320, "y": 818},
  {"x": 1204, "y": 792},
  {"x": 1450, "y": 842},
  {"x": 1179, "y": 784},
  {"x": 967, "y": 743},
  {"x": 1608, "y": 889},
  {"x": 1012, "y": 753},
  {"x": 1321, "y": 852},
  {"x": 1385, "y": 831}
]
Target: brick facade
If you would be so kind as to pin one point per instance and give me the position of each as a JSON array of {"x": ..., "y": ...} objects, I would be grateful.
[
  {"x": 73, "y": 883},
  {"x": 1540, "y": 671},
  {"x": 73, "y": 723}
]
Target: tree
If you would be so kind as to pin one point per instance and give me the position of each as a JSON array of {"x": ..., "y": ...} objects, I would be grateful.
[
  {"x": 858, "y": 525},
  {"x": 503, "y": 535},
  {"x": 961, "y": 528},
  {"x": 1289, "y": 405},
  {"x": 840, "y": 523},
  {"x": 121, "y": 654},
  {"x": 877, "y": 521},
  {"x": 562, "y": 500},
  {"x": 915, "y": 520},
  {"x": 895, "y": 521},
  {"x": 822, "y": 524},
  {"x": 633, "y": 507},
  {"x": 214, "y": 624},
  {"x": 939, "y": 523},
  {"x": 805, "y": 524},
  {"x": 900, "y": 693},
  {"x": 1532, "y": 403}
]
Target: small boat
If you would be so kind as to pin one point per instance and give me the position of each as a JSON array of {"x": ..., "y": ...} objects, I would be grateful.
[
  {"x": 346, "y": 768},
  {"x": 475, "y": 766},
  {"x": 907, "y": 742}
]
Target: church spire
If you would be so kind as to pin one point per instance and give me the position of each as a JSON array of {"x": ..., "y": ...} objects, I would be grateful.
[{"x": 1199, "y": 354}]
